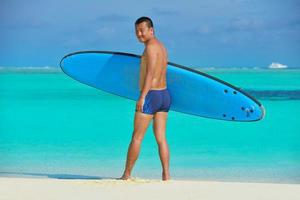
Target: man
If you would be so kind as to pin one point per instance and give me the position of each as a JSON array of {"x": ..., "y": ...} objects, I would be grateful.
[{"x": 154, "y": 100}]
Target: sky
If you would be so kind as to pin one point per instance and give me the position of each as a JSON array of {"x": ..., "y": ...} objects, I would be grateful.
[{"x": 197, "y": 33}]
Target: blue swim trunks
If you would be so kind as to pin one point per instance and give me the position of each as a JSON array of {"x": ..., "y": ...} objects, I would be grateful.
[{"x": 157, "y": 101}]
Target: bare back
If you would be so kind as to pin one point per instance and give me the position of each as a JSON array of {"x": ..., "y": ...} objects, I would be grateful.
[{"x": 160, "y": 69}]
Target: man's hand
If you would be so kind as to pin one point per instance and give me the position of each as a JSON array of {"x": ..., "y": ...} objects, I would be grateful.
[{"x": 140, "y": 104}]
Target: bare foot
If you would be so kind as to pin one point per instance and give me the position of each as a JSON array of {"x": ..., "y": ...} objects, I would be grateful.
[
  {"x": 125, "y": 177},
  {"x": 166, "y": 176}
]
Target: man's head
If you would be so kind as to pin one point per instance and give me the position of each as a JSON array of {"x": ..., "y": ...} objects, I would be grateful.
[{"x": 144, "y": 29}]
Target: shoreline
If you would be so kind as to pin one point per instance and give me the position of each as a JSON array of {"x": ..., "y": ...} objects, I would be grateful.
[
  {"x": 70, "y": 176},
  {"x": 136, "y": 189}
]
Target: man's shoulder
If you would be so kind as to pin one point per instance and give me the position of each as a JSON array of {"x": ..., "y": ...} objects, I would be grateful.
[
  {"x": 155, "y": 44},
  {"x": 151, "y": 47}
]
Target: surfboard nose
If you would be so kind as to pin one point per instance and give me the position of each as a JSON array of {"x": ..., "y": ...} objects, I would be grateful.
[
  {"x": 263, "y": 112},
  {"x": 84, "y": 66}
]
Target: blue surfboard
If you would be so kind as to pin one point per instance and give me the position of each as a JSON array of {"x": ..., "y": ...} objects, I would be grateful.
[{"x": 192, "y": 92}]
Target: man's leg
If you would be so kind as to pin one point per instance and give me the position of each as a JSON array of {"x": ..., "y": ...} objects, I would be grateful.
[
  {"x": 159, "y": 128},
  {"x": 141, "y": 123}
]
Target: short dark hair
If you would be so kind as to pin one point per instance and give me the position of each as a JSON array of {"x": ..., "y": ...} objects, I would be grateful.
[{"x": 144, "y": 19}]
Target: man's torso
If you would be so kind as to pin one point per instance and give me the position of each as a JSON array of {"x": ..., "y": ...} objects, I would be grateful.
[{"x": 159, "y": 74}]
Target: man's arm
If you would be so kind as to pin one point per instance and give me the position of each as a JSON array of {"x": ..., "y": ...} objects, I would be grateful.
[{"x": 150, "y": 66}]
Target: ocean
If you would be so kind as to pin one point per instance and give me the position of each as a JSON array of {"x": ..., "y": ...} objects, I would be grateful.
[{"x": 54, "y": 126}]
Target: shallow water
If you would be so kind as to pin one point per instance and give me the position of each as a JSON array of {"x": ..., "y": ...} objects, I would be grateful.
[{"x": 51, "y": 124}]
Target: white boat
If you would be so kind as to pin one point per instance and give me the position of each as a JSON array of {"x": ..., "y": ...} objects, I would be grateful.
[{"x": 277, "y": 66}]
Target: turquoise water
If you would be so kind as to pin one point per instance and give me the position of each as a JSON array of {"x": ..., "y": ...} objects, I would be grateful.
[{"x": 54, "y": 126}]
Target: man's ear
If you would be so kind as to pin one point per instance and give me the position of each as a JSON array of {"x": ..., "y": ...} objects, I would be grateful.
[{"x": 152, "y": 30}]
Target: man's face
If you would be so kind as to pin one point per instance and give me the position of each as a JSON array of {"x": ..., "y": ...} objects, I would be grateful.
[{"x": 143, "y": 32}]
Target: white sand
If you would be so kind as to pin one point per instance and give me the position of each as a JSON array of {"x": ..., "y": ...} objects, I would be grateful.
[{"x": 141, "y": 189}]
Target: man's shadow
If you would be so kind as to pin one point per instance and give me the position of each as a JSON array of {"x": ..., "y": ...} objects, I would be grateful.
[{"x": 54, "y": 176}]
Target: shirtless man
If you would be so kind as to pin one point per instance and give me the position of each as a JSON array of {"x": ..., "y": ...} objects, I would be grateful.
[{"x": 154, "y": 101}]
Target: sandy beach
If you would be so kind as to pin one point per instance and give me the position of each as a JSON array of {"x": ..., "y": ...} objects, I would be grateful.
[{"x": 12, "y": 188}]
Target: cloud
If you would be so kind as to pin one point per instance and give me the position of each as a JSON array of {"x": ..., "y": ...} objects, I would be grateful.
[
  {"x": 72, "y": 42},
  {"x": 105, "y": 32},
  {"x": 113, "y": 18},
  {"x": 245, "y": 24},
  {"x": 240, "y": 1},
  {"x": 204, "y": 29},
  {"x": 23, "y": 23},
  {"x": 166, "y": 12}
]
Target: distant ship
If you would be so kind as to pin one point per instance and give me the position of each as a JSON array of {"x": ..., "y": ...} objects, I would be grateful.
[{"x": 277, "y": 66}]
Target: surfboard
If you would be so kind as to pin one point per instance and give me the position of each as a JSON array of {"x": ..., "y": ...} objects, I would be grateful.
[{"x": 192, "y": 92}]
